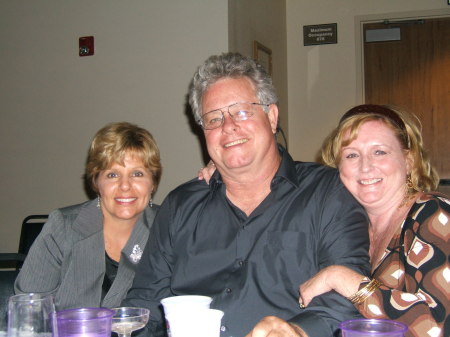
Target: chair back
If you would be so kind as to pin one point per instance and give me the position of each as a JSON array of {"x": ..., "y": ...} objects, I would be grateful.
[
  {"x": 31, "y": 227},
  {"x": 7, "y": 278}
]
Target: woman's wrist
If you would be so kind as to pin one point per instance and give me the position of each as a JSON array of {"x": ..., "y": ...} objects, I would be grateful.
[
  {"x": 366, "y": 289},
  {"x": 344, "y": 280}
]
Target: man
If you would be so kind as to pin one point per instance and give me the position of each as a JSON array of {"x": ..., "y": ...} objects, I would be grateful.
[{"x": 262, "y": 226}]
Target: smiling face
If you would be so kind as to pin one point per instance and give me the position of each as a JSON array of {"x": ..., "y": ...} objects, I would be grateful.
[
  {"x": 246, "y": 145},
  {"x": 125, "y": 191},
  {"x": 373, "y": 167}
]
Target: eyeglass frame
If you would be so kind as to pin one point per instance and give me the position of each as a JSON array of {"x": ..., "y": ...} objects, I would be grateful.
[{"x": 200, "y": 121}]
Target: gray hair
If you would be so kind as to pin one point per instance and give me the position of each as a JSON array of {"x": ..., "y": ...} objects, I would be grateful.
[{"x": 232, "y": 65}]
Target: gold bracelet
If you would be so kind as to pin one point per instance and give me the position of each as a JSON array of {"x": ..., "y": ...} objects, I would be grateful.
[{"x": 362, "y": 294}]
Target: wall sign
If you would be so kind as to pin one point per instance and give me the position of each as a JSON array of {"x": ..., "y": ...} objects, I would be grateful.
[{"x": 320, "y": 34}]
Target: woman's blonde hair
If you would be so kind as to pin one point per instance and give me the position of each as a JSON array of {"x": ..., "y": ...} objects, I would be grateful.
[
  {"x": 407, "y": 129},
  {"x": 112, "y": 142}
]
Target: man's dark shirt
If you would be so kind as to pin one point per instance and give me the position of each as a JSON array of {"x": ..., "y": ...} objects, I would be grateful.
[{"x": 252, "y": 266}]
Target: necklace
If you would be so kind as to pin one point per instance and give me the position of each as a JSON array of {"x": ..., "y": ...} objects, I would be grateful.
[{"x": 380, "y": 239}]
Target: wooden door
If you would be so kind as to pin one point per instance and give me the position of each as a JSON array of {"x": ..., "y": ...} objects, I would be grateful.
[{"x": 413, "y": 73}]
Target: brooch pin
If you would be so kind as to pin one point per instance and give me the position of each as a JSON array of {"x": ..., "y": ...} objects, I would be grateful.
[{"x": 136, "y": 254}]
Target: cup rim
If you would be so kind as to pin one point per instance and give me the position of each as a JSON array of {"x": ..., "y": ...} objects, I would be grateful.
[
  {"x": 219, "y": 312},
  {"x": 401, "y": 327},
  {"x": 105, "y": 313},
  {"x": 30, "y": 296},
  {"x": 172, "y": 299},
  {"x": 142, "y": 311}
]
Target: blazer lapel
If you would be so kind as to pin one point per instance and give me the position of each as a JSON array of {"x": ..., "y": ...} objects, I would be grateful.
[{"x": 89, "y": 253}]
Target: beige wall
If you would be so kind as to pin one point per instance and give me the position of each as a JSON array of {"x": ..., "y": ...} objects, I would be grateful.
[
  {"x": 53, "y": 101},
  {"x": 325, "y": 80},
  {"x": 265, "y": 22}
]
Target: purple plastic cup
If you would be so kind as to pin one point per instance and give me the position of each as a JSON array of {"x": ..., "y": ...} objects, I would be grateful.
[
  {"x": 84, "y": 322},
  {"x": 372, "y": 328}
]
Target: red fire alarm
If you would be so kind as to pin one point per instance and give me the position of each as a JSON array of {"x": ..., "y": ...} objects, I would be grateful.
[{"x": 86, "y": 46}]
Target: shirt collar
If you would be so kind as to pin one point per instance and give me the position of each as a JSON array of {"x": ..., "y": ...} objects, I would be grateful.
[{"x": 286, "y": 171}]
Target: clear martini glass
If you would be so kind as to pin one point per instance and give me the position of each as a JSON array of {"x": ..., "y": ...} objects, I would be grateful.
[{"x": 128, "y": 319}]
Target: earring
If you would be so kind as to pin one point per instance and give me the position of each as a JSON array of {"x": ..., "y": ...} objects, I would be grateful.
[
  {"x": 151, "y": 202},
  {"x": 409, "y": 190},
  {"x": 409, "y": 183},
  {"x": 98, "y": 201}
]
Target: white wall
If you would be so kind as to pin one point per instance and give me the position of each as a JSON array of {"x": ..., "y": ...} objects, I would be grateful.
[
  {"x": 53, "y": 101},
  {"x": 323, "y": 80}
]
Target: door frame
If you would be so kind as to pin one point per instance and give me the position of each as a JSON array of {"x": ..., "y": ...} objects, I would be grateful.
[{"x": 360, "y": 20}]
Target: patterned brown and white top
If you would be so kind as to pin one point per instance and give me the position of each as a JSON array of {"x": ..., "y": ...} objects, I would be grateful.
[{"x": 415, "y": 271}]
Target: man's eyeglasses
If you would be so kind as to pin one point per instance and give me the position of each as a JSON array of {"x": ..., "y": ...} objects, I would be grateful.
[{"x": 238, "y": 112}]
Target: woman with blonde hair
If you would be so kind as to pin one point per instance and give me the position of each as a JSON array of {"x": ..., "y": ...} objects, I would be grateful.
[
  {"x": 381, "y": 159},
  {"x": 87, "y": 254}
]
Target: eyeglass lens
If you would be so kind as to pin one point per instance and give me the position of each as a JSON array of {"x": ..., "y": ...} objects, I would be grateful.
[{"x": 237, "y": 111}]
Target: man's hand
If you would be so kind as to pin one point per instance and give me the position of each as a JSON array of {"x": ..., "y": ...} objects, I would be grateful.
[{"x": 272, "y": 326}]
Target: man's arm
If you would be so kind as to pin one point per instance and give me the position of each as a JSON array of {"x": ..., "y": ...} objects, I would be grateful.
[
  {"x": 152, "y": 279},
  {"x": 342, "y": 237},
  {"x": 343, "y": 240}
]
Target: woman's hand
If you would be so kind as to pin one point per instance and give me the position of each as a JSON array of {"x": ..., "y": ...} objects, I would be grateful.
[
  {"x": 206, "y": 172},
  {"x": 315, "y": 286},
  {"x": 339, "y": 278}
]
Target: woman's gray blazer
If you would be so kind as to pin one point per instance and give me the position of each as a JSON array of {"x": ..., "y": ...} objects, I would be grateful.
[{"x": 67, "y": 259}]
